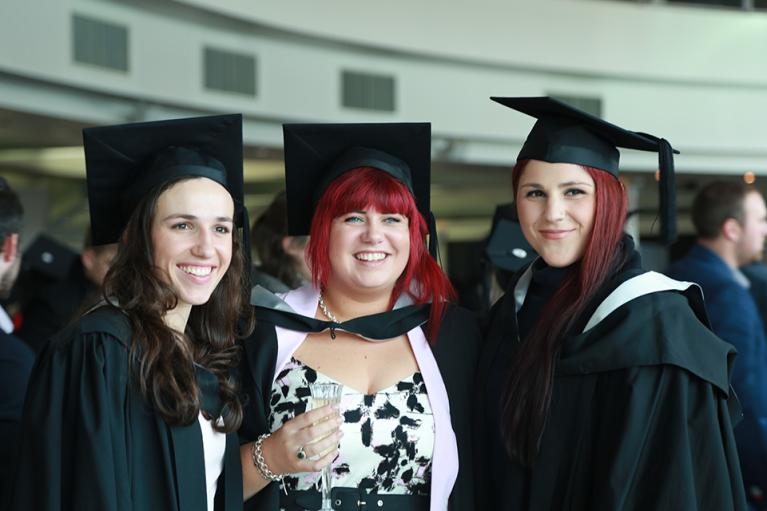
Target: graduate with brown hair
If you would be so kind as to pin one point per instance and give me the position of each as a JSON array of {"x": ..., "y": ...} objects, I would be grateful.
[{"x": 133, "y": 407}]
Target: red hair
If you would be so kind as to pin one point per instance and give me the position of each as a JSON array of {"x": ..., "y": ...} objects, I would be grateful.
[
  {"x": 369, "y": 188},
  {"x": 527, "y": 396}
]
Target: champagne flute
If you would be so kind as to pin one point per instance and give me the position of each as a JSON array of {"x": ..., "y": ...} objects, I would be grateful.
[{"x": 326, "y": 394}]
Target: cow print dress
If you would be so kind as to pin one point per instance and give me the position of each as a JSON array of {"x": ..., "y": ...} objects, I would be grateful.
[{"x": 388, "y": 436}]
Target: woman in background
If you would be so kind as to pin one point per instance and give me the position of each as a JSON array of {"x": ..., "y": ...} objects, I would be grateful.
[{"x": 282, "y": 258}]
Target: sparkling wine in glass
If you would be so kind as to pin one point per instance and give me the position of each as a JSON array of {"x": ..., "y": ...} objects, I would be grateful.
[{"x": 325, "y": 394}]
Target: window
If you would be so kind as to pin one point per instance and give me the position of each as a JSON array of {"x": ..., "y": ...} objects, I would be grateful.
[
  {"x": 367, "y": 91},
  {"x": 725, "y": 3},
  {"x": 229, "y": 71},
  {"x": 587, "y": 104},
  {"x": 99, "y": 43}
]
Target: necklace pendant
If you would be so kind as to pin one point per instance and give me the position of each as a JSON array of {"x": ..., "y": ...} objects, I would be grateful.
[{"x": 332, "y": 333}]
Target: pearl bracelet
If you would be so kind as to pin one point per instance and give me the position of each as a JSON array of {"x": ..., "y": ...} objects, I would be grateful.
[{"x": 260, "y": 463}]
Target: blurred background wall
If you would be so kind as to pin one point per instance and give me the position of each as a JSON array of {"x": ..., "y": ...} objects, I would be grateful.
[{"x": 693, "y": 73}]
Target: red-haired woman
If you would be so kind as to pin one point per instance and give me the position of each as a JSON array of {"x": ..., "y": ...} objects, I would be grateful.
[
  {"x": 377, "y": 319},
  {"x": 601, "y": 385}
]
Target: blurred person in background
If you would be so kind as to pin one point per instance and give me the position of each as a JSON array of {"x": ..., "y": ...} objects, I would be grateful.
[
  {"x": 506, "y": 251},
  {"x": 282, "y": 258},
  {"x": 730, "y": 220},
  {"x": 601, "y": 386},
  {"x": 16, "y": 359},
  {"x": 59, "y": 303},
  {"x": 133, "y": 406},
  {"x": 756, "y": 273}
]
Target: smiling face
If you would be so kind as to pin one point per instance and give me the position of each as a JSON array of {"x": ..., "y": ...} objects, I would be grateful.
[
  {"x": 368, "y": 250},
  {"x": 192, "y": 239},
  {"x": 556, "y": 204}
]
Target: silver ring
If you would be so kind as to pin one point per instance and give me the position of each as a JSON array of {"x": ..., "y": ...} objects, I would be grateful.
[{"x": 300, "y": 453}]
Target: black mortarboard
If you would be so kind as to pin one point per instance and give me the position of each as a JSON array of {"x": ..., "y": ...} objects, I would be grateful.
[
  {"x": 564, "y": 134},
  {"x": 506, "y": 246},
  {"x": 49, "y": 257},
  {"x": 124, "y": 162},
  {"x": 316, "y": 154}
]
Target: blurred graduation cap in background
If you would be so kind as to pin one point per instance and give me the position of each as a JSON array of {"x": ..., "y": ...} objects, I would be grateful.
[
  {"x": 506, "y": 246},
  {"x": 48, "y": 257}
]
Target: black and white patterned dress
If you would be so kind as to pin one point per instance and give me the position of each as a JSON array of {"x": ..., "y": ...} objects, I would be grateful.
[{"x": 388, "y": 436}]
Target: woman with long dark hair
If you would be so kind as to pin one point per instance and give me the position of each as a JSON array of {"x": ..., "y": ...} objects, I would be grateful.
[
  {"x": 133, "y": 407},
  {"x": 602, "y": 387},
  {"x": 281, "y": 258},
  {"x": 376, "y": 318}
]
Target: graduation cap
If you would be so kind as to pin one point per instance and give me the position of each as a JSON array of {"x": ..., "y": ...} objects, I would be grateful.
[
  {"x": 506, "y": 246},
  {"x": 124, "y": 162},
  {"x": 317, "y": 154},
  {"x": 49, "y": 257},
  {"x": 563, "y": 134}
]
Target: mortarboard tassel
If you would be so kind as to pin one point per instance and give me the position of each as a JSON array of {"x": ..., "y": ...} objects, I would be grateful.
[{"x": 667, "y": 191}]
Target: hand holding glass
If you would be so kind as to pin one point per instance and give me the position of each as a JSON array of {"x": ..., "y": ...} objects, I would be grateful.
[{"x": 326, "y": 394}]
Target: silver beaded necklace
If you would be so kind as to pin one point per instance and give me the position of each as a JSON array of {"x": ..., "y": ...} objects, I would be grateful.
[{"x": 326, "y": 311}]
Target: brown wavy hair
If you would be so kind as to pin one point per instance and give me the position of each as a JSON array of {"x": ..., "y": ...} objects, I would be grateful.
[{"x": 162, "y": 361}]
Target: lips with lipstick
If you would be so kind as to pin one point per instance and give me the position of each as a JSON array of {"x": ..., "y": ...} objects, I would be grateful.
[{"x": 555, "y": 234}]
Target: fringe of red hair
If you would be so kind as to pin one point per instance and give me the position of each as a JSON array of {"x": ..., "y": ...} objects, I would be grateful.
[{"x": 369, "y": 188}]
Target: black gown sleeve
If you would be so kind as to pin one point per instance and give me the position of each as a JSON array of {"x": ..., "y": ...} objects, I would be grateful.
[
  {"x": 73, "y": 452},
  {"x": 664, "y": 441},
  {"x": 456, "y": 352},
  {"x": 256, "y": 376}
]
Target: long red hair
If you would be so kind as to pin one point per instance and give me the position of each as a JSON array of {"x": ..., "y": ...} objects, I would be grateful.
[
  {"x": 369, "y": 188},
  {"x": 527, "y": 396}
]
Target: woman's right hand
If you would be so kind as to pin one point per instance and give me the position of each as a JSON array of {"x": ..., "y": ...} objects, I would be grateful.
[{"x": 317, "y": 431}]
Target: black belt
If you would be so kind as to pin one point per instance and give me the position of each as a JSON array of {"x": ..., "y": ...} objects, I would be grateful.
[{"x": 352, "y": 499}]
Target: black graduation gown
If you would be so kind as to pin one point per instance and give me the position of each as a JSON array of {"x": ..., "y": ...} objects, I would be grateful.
[
  {"x": 640, "y": 418},
  {"x": 90, "y": 441},
  {"x": 456, "y": 353}
]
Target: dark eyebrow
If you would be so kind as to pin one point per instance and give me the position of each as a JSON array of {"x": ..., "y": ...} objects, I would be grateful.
[
  {"x": 182, "y": 216},
  {"x": 560, "y": 185},
  {"x": 575, "y": 183}
]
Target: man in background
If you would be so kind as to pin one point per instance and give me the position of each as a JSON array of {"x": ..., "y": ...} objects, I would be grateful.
[
  {"x": 731, "y": 223},
  {"x": 16, "y": 359},
  {"x": 57, "y": 304}
]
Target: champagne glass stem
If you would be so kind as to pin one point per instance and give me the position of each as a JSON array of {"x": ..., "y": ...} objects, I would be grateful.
[{"x": 326, "y": 504}]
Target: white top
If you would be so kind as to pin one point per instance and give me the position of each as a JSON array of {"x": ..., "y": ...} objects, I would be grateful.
[
  {"x": 213, "y": 446},
  {"x": 6, "y": 325}
]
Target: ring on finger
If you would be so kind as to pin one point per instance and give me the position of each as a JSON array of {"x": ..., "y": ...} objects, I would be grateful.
[{"x": 301, "y": 453}]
